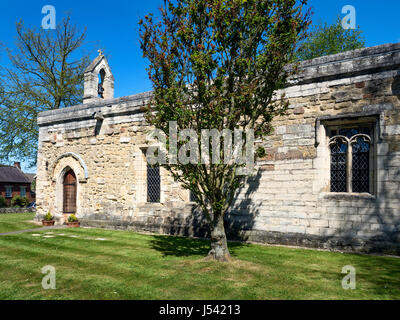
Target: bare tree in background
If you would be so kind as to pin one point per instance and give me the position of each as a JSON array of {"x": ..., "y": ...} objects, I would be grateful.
[{"x": 45, "y": 73}]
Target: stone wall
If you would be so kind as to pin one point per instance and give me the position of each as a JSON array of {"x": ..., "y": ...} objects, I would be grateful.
[
  {"x": 16, "y": 210},
  {"x": 286, "y": 201}
]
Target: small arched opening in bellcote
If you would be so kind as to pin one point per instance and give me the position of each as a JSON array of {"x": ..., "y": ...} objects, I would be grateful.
[
  {"x": 98, "y": 81},
  {"x": 100, "y": 87}
]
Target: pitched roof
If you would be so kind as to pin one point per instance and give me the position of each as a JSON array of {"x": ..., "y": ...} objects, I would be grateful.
[
  {"x": 30, "y": 176},
  {"x": 12, "y": 175},
  {"x": 94, "y": 63}
]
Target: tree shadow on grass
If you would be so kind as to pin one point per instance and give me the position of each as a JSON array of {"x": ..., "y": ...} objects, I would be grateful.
[
  {"x": 186, "y": 247},
  {"x": 239, "y": 221}
]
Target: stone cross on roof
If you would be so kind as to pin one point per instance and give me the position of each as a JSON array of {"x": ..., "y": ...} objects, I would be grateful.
[{"x": 100, "y": 52}]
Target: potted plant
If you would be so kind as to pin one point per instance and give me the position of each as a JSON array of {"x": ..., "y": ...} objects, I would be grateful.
[
  {"x": 73, "y": 221},
  {"x": 48, "y": 220}
]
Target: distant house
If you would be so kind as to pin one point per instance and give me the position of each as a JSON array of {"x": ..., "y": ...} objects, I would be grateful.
[{"x": 13, "y": 181}]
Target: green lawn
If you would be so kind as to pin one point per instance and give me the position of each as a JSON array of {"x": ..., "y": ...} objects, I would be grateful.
[
  {"x": 16, "y": 221},
  {"x": 127, "y": 265}
]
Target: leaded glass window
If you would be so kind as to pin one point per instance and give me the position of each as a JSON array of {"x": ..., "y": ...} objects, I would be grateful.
[
  {"x": 338, "y": 165},
  {"x": 360, "y": 164},
  {"x": 351, "y": 159},
  {"x": 153, "y": 183}
]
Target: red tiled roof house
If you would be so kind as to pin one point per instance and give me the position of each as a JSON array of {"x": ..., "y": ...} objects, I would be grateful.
[{"x": 15, "y": 182}]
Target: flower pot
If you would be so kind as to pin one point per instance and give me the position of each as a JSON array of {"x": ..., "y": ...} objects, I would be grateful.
[
  {"x": 48, "y": 223},
  {"x": 75, "y": 224}
]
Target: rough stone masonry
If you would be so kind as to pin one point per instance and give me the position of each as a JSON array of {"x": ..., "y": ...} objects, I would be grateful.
[{"x": 330, "y": 177}]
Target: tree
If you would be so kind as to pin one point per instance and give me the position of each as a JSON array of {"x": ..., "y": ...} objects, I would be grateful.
[
  {"x": 2, "y": 202},
  {"x": 327, "y": 39},
  {"x": 216, "y": 64},
  {"x": 44, "y": 74}
]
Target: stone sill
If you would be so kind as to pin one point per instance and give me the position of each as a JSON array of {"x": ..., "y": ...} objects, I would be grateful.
[
  {"x": 346, "y": 196},
  {"x": 151, "y": 204}
]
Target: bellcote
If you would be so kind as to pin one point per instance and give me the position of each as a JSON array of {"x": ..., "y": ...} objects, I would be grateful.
[{"x": 98, "y": 80}]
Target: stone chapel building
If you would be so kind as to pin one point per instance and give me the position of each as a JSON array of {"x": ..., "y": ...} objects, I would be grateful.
[{"x": 330, "y": 179}]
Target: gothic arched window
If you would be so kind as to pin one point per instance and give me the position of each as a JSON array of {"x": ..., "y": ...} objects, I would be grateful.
[
  {"x": 338, "y": 164},
  {"x": 351, "y": 159}
]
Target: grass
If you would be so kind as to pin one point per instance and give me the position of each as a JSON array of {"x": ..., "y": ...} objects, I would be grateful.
[
  {"x": 128, "y": 265},
  {"x": 16, "y": 221}
]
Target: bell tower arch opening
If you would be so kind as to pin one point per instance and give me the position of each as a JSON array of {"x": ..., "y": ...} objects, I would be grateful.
[
  {"x": 98, "y": 80},
  {"x": 100, "y": 90}
]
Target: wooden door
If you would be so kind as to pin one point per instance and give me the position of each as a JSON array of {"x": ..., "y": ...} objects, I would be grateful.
[{"x": 69, "y": 193}]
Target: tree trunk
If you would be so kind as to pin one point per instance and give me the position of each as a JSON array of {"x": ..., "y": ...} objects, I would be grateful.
[{"x": 219, "y": 246}]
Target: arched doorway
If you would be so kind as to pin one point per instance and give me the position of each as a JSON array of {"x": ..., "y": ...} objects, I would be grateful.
[{"x": 69, "y": 193}]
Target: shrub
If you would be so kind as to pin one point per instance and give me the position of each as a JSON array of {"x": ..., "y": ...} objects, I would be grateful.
[
  {"x": 2, "y": 202},
  {"x": 260, "y": 152},
  {"x": 18, "y": 201},
  {"x": 48, "y": 216},
  {"x": 72, "y": 218}
]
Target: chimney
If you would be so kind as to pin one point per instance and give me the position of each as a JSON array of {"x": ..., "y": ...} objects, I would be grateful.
[{"x": 17, "y": 165}]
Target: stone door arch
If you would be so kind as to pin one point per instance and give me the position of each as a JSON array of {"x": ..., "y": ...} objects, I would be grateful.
[{"x": 70, "y": 175}]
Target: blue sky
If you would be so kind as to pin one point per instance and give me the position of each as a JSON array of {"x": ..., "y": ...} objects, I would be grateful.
[{"x": 112, "y": 25}]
